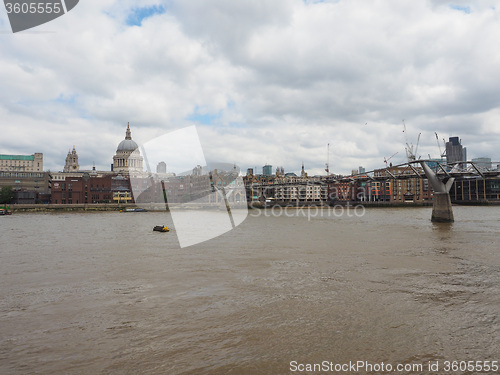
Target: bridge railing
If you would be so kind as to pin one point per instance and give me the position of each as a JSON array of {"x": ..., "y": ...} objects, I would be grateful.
[{"x": 413, "y": 170}]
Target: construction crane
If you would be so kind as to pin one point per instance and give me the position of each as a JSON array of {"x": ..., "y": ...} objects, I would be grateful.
[
  {"x": 386, "y": 160},
  {"x": 411, "y": 156},
  {"x": 416, "y": 146},
  {"x": 442, "y": 154},
  {"x": 327, "y": 169}
]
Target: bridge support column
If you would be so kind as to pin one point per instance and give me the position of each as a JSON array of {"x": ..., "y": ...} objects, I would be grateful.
[{"x": 441, "y": 209}]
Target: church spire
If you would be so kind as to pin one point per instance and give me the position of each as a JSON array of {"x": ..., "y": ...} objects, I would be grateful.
[{"x": 127, "y": 134}]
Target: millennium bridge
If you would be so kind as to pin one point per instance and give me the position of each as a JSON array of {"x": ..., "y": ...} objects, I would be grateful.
[{"x": 440, "y": 176}]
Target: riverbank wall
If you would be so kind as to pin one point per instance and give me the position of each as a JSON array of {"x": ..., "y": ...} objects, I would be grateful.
[
  {"x": 251, "y": 205},
  {"x": 69, "y": 207}
]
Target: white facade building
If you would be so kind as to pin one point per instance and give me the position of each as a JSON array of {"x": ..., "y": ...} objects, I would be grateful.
[{"x": 22, "y": 163}]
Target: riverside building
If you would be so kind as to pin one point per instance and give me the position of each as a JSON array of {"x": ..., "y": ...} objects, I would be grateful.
[
  {"x": 22, "y": 163},
  {"x": 76, "y": 186},
  {"x": 24, "y": 173}
]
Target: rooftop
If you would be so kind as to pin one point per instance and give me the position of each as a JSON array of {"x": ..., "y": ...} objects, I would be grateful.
[{"x": 17, "y": 157}]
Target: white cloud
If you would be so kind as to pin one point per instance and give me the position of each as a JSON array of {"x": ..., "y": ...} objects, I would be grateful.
[{"x": 276, "y": 80}]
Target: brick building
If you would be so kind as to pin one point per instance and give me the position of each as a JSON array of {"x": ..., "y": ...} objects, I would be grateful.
[{"x": 83, "y": 189}]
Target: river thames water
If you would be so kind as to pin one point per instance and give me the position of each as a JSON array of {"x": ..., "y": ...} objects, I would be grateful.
[{"x": 100, "y": 293}]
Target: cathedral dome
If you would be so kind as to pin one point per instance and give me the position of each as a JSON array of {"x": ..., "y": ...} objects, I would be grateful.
[
  {"x": 127, "y": 144},
  {"x": 128, "y": 158}
]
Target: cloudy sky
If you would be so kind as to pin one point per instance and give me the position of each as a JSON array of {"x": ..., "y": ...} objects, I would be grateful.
[{"x": 265, "y": 81}]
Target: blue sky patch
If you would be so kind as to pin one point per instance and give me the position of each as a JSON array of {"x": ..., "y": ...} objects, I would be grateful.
[
  {"x": 465, "y": 9},
  {"x": 312, "y": 2},
  {"x": 137, "y": 15},
  {"x": 66, "y": 99},
  {"x": 203, "y": 118}
]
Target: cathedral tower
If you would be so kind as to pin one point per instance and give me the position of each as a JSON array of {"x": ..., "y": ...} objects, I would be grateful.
[{"x": 71, "y": 162}]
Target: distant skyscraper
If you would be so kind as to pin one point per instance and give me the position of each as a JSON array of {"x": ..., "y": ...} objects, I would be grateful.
[
  {"x": 161, "y": 167},
  {"x": 455, "y": 152},
  {"x": 267, "y": 170},
  {"x": 484, "y": 163}
]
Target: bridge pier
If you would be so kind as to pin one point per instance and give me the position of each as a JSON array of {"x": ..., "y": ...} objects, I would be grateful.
[
  {"x": 442, "y": 211},
  {"x": 441, "y": 208}
]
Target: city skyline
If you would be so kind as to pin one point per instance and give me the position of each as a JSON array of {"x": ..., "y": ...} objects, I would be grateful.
[
  {"x": 290, "y": 77},
  {"x": 72, "y": 157}
]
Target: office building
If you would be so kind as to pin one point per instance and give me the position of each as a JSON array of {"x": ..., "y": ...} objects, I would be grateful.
[
  {"x": 267, "y": 170},
  {"x": 455, "y": 152},
  {"x": 22, "y": 163},
  {"x": 483, "y": 163}
]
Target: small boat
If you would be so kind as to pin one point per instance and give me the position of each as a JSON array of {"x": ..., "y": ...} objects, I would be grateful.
[
  {"x": 160, "y": 228},
  {"x": 134, "y": 210}
]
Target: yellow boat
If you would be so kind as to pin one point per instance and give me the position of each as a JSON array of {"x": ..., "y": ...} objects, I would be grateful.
[{"x": 160, "y": 228}]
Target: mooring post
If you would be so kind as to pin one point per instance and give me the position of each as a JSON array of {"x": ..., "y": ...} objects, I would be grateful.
[{"x": 442, "y": 211}]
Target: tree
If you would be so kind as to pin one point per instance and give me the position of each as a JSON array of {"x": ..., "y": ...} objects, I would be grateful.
[{"x": 6, "y": 195}]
